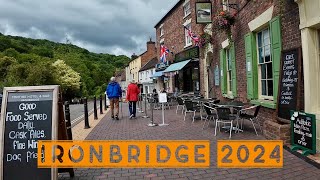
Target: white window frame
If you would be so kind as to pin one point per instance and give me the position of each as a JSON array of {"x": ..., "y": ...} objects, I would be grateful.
[
  {"x": 162, "y": 41},
  {"x": 260, "y": 96},
  {"x": 188, "y": 40},
  {"x": 229, "y": 70},
  {"x": 161, "y": 30},
  {"x": 186, "y": 12},
  {"x": 224, "y": 7}
]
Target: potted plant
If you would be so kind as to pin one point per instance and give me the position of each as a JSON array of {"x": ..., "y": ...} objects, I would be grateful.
[{"x": 224, "y": 20}]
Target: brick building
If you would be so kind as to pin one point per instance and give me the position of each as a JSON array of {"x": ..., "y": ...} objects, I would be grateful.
[
  {"x": 185, "y": 70},
  {"x": 249, "y": 67},
  {"x": 139, "y": 61}
]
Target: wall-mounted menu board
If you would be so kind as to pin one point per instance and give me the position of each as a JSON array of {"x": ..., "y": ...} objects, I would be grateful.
[
  {"x": 28, "y": 114},
  {"x": 289, "y": 87}
]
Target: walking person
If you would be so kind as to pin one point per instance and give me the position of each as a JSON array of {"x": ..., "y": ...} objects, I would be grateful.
[
  {"x": 114, "y": 93},
  {"x": 132, "y": 97}
]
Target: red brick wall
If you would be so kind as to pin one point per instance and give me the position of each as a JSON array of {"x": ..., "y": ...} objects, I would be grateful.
[
  {"x": 249, "y": 10},
  {"x": 174, "y": 30},
  {"x": 174, "y": 34}
]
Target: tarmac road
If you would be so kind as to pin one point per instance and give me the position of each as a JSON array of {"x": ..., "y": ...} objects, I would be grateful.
[{"x": 77, "y": 112}]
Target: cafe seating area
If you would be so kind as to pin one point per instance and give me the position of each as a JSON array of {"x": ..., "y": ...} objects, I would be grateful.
[{"x": 224, "y": 116}]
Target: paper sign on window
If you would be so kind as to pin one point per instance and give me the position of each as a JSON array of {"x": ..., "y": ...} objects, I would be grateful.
[
  {"x": 248, "y": 66},
  {"x": 162, "y": 97}
]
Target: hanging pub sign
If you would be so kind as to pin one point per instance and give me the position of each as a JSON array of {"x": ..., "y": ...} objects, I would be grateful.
[
  {"x": 187, "y": 54},
  {"x": 203, "y": 12},
  {"x": 289, "y": 83},
  {"x": 162, "y": 66},
  {"x": 29, "y": 114},
  {"x": 303, "y": 132}
]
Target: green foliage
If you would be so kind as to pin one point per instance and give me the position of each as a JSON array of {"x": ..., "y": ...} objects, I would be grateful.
[
  {"x": 30, "y": 62},
  {"x": 65, "y": 76}
]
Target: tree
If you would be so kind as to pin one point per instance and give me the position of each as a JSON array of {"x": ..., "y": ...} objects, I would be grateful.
[
  {"x": 66, "y": 77},
  {"x": 5, "y": 64}
]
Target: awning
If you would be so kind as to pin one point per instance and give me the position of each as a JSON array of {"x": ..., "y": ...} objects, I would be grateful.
[
  {"x": 176, "y": 66},
  {"x": 157, "y": 74}
]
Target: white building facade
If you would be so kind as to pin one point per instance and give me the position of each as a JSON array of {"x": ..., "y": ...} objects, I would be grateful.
[{"x": 146, "y": 76}]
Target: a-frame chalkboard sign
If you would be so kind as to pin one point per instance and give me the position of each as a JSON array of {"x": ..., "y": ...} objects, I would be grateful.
[
  {"x": 28, "y": 114},
  {"x": 289, "y": 83}
]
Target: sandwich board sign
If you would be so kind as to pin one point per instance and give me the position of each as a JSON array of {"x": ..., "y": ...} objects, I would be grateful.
[
  {"x": 162, "y": 97},
  {"x": 28, "y": 114},
  {"x": 303, "y": 132}
]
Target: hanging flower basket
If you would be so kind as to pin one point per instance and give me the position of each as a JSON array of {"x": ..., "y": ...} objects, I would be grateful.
[
  {"x": 224, "y": 20},
  {"x": 205, "y": 38}
]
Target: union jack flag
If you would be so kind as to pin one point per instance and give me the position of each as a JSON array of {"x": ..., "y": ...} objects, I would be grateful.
[
  {"x": 193, "y": 36},
  {"x": 163, "y": 52}
]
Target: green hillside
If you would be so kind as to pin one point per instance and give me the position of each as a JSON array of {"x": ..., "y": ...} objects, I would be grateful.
[{"x": 32, "y": 62}]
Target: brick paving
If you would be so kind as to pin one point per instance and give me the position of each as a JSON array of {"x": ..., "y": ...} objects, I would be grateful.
[{"x": 136, "y": 129}]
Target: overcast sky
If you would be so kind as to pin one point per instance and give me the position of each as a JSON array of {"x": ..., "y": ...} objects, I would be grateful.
[{"x": 101, "y": 26}]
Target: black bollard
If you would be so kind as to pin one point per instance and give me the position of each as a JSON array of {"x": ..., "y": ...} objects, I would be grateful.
[
  {"x": 86, "y": 115},
  {"x": 101, "y": 108},
  {"x": 151, "y": 102},
  {"x": 145, "y": 105},
  {"x": 95, "y": 108},
  {"x": 105, "y": 102},
  {"x": 68, "y": 121}
]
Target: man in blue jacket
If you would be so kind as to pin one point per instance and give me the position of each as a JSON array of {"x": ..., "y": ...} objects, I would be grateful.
[{"x": 114, "y": 93}]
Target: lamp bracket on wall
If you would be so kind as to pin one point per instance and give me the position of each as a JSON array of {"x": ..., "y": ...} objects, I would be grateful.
[{"x": 233, "y": 6}]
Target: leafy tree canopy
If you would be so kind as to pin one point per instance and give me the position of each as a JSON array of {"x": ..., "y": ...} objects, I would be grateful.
[{"x": 33, "y": 62}]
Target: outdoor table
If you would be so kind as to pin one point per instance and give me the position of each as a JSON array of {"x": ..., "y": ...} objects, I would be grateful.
[
  {"x": 200, "y": 102},
  {"x": 236, "y": 105}
]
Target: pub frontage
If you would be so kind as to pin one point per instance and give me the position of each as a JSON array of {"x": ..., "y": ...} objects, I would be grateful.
[
  {"x": 260, "y": 62},
  {"x": 184, "y": 72}
]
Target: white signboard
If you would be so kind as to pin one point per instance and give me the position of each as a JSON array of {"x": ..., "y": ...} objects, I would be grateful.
[{"x": 162, "y": 97}]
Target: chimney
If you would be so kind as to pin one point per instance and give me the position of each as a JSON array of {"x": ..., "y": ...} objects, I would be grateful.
[
  {"x": 151, "y": 47},
  {"x": 134, "y": 56}
]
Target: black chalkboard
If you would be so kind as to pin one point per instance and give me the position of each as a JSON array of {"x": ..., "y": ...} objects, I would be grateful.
[
  {"x": 28, "y": 117},
  {"x": 303, "y": 131},
  {"x": 289, "y": 88}
]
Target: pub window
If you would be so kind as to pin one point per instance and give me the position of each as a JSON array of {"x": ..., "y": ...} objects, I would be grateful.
[
  {"x": 263, "y": 53},
  {"x": 229, "y": 71},
  {"x": 264, "y": 65},
  {"x": 186, "y": 8},
  {"x": 161, "y": 30},
  {"x": 188, "y": 41},
  {"x": 225, "y": 5}
]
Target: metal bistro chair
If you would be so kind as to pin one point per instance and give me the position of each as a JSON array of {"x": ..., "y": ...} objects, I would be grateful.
[
  {"x": 180, "y": 104},
  {"x": 225, "y": 117},
  {"x": 190, "y": 108},
  {"x": 244, "y": 115},
  {"x": 211, "y": 114}
]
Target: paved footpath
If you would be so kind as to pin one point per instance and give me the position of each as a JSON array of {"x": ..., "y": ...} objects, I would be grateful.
[{"x": 136, "y": 129}]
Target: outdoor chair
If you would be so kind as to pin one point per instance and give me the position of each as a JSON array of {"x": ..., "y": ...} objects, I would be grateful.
[
  {"x": 244, "y": 115},
  {"x": 224, "y": 117},
  {"x": 180, "y": 104},
  {"x": 190, "y": 108},
  {"x": 211, "y": 114}
]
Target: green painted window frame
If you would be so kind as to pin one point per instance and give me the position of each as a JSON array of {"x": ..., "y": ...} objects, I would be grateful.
[
  {"x": 252, "y": 64},
  {"x": 223, "y": 74}
]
